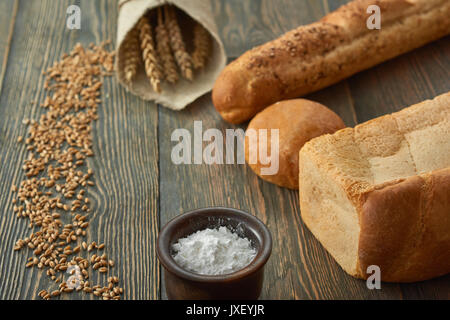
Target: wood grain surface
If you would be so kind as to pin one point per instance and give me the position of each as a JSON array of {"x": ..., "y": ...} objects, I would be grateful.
[{"x": 138, "y": 188}]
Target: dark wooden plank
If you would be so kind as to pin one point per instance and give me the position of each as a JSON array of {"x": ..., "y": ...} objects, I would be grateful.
[
  {"x": 319, "y": 276},
  {"x": 403, "y": 81},
  {"x": 125, "y": 210},
  {"x": 245, "y": 24},
  {"x": 125, "y": 200},
  {"x": 391, "y": 86},
  {"x": 411, "y": 78},
  {"x": 299, "y": 267},
  {"x": 338, "y": 99},
  {"x": 406, "y": 80},
  {"x": 8, "y": 12},
  {"x": 334, "y": 4},
  {"x": 17, "y": 92},
  {"x": 127, "y": 166}
]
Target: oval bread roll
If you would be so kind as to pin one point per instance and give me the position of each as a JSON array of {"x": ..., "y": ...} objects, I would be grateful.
[
  {"x": 314, "y": 56},
  {"x": 298, "y": 122}
]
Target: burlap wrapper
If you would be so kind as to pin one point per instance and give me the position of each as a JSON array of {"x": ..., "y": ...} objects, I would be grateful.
[{"x": 179, "y": 95}]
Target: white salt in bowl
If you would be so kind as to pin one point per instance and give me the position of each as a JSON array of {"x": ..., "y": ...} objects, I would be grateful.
[{"x": 245, "y": 283}]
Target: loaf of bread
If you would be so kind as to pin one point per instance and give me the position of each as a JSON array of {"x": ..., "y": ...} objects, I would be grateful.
[
  {"x": 379, "y": 193},
  {"x": 297, "y": 122},
  {"x": 314, "y": 56}
]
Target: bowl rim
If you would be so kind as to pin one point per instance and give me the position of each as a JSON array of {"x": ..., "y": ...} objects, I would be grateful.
[{"x": 166, "y": 259}]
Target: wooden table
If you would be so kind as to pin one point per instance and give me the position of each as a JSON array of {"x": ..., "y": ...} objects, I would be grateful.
[{"x": 138, "y": 188}]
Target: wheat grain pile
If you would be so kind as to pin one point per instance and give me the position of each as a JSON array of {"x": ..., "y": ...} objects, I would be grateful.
[{"x": 53, "y": 197}]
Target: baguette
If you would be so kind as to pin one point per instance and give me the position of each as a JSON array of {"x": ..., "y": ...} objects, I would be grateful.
[
  {"x": 314, "y": 56},
  {"x": 379, "y": 194}
]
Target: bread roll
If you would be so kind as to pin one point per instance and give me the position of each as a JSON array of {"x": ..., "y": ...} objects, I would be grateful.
[
  {"x": 379, "y": 194},
  {"x": 298, "y": 121},
  {"x": 314, "y": 56}
]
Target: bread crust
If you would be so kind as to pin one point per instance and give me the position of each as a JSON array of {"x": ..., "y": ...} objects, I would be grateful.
[
  {"x": 405, "y": 228},
  {"x": 395, "y": 171},
  {"x": 314, "y": 56}
]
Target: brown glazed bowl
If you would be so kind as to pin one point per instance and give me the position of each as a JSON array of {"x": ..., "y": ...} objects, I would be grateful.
[{"x": 246, "y": 283}]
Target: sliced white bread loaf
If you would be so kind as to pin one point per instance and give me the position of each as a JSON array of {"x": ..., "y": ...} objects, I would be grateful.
[{"x": 379, "y": 193}]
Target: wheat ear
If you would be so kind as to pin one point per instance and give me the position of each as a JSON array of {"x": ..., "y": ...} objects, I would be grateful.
[
  {"x": 149, "y": 54},
  {"x": 182, "y": 57},
  {"x": 132, "y": 56},
  {"x": 164, "y": 52},
  {"x": 202, "y": 46}
]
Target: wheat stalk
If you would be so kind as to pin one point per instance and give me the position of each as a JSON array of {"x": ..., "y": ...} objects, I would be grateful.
[
  {"x": 182, "y": 57},
  {"x": 202, "y": 46},
  {"x": 132, "y": 56},
  {"x": 164, "y": 51},
  {"x": 149, "y": 54}
]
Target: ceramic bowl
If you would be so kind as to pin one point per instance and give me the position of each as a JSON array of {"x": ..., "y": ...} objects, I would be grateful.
[{"x": 242, "y": 284}]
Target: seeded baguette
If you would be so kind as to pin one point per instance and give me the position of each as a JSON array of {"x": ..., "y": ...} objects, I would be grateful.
[{"x": 314, "y": 56}]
